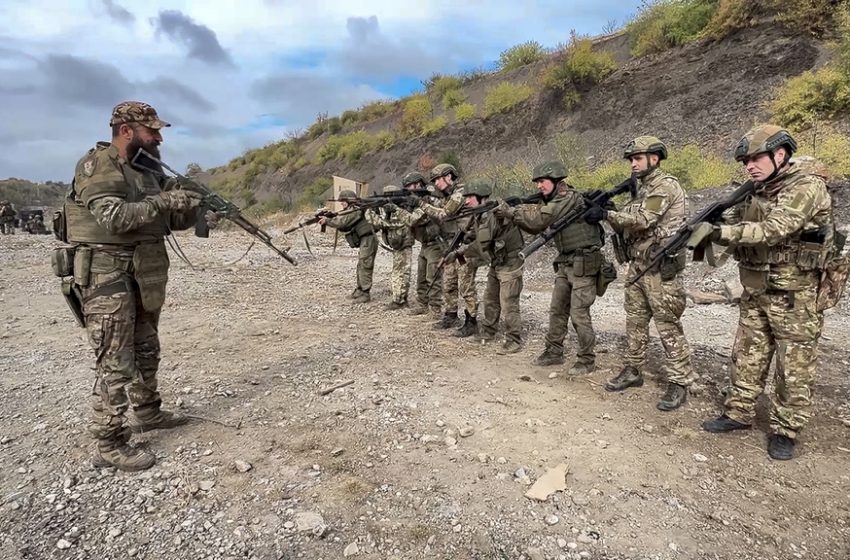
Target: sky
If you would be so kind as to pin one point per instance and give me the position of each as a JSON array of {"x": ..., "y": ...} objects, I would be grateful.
[{"x": 231, "y": 75}]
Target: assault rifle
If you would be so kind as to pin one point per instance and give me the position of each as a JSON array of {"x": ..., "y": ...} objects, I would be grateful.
[
  {"x": 403, "y": 198},
  {"x": 211, "y": 201},
  {"x": 313, "y": 220},
  {"x": 576, "y": 214},
  {"x": 711, "y": 214},
  {"x": 454, "y": 245},
  {"x": 491, "y": 204}
]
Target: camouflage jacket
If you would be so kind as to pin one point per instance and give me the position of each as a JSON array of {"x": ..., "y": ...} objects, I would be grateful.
[
  {"x": 394, "y": 229},
  {"x": 657, "y": 212},
  {"x": 498, "y": 242},
  {"x": 784, "y": 232}
]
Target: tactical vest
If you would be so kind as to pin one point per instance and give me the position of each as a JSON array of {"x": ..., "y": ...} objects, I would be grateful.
[
  {"x": 360, "y": 227},
  {"x": 428, "y": 233},
  {"x": 501, "y": 244},
  {"x": 82, "y": 227},
  {"x": 578, "y": 236},
  {"x": 809, "y": 249},
  {"x": 641, "y": 244}
]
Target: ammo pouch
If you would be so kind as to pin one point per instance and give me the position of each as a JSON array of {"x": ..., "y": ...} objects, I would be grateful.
[
  {"x": 621, "y": 252},
  {"x": 150, "y": 270},
  {"x": 588, "y": 264},
  {"x": 60, "y": 226},
  {"x": 62, "y": 261},
  {"x": 607, "y": 274},
  {"x": 353, "y": 239},
  {"x": 669, "y": 266},
  {"x": 82, "y": 266}
]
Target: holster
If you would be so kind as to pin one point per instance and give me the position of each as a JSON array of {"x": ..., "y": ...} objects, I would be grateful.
[{"x": 73, "y": 299}]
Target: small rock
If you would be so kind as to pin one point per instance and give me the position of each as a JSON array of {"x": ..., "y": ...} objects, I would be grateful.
[
  {"x": 502, "y": 461},
  {"x": 337, "y": 452},
  {"x": 289, "y": 525},
  {"x": 62, "y": 544},
  {"x": 310, "y": 522},
  {"x": 6, "y": 439},
  {"x": 115, "y": 532},
  {"x": 580, "y": 500},
  {"x": 553, "y": 375},
  {"x": 457, "y": 528},
  {"x": 482, "y": 458},
  {"x": 562, "y": 543},
  {"x": 351, "y": 550},
  {"x": 206, "y": 485},
  {"x": 466, "y": 431},
  {"x": 552, "y": 519},
  {"x": 440, "y": 424},
  {"x": 242, "y": 466},
  {"x": 450, "y": 441},
  {"x": 536, "y": 554},
  {"x": 700, "y": 458},
  {"x": 584, "y": 538},
  {"x": 525, "y": 377}
]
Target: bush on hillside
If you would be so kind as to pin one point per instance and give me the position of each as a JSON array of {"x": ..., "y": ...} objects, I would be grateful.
[
  {"x": 579, "y": 67},
  {"x": 521, "y": 55},
  {"x": 434, "y": 125},
  {"x": 698, "y": 170},
  {"x": 351, "y": 147},
  {"x": 349, "y": 117},
  {"x": 504, "y": 97},
  {"x": 376, "y": 109},
  {"x": 438, "y": 85},
  {"x": 662, "y": 24},
  {"x": 453, "y": 98},
  {"x": 812, "y": 16},
  {"x": 729, "y": 16},
  {"x": 829, "y": 146},
  {"x": 334, "y": 125},
  {"x": 417, "y": 111},
  {"x": 312, "y": 197},
  {"x": 464, "y": 112}
]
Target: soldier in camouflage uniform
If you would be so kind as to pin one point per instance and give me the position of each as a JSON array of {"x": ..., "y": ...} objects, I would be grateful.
[
  {"x": 498, "y": 242},
  {"x": 117, "y": 216},
  {"x": 782, "y": 236},
  {"x": 428, "y": 233},
  {"x": 577, "y": 266},
  {"x": 458, "y": 279},
  {"x": 398, "y": 237},
  {"x": 7, "y": 218},
  {"x": 359, "y": 234},
  {"x": 658, "y": 210}
]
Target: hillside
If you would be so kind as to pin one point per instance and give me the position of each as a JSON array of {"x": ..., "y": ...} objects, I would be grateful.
[
  {"x": 21, "y": 192},
  {"x": 699, "y": 97}
]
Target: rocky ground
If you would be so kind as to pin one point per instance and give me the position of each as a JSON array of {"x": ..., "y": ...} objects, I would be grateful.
[{"x": 426, "y": 454}]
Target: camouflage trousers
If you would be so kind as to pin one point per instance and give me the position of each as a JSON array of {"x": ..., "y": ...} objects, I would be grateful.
[
  {"x": 400, "y": 279},
  {"x": 501, "y": 298},
  {"x": 785, "y": 324},
  {"x": 664, "y": 301},
  {"x": 426, "y": 270},
  {"x": 459, "y": 279},
  {"x": 125, "y": 339},
  {"x": 7, "y": 226},
  {"x": 366, "y": 262},
  {"x": 572, "y": 297}
]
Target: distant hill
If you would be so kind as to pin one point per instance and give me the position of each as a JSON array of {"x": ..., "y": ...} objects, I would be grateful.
[{"x": 21, "y": 192}]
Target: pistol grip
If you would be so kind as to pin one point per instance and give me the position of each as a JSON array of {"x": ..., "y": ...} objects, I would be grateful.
[{"x": 201, "y": 227}]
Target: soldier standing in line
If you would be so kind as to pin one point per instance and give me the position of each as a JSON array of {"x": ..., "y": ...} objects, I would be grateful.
[
  {"x": 783, "y": 237},
  {"x": 7, "y": 218},
  {"x": 398, "y": 237},
  {"x": 577, "y": 266},
  {"x": 497, "y": 241},
  {"x": 359, "y": 234},
  {"x": 117, "y": 217},
  {"x": 658, "y": 210}
]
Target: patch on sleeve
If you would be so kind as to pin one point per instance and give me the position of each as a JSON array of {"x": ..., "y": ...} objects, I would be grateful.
[
  {"x": 654, "y": 203},
  {"x": 89, "y": 165},
  {"x": 802, "y": 202}
]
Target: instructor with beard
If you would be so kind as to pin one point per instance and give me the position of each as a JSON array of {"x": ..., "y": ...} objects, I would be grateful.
[{"x": 117, "y": 216}]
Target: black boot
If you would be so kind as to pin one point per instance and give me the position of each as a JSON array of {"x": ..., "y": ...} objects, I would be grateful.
[
  {"x": 723, "y": 424},
  {"x": 549, "y": 358},
  {"x": 675, "y": 396},
  {"x": 780, "y": 448},
  {"x": 448, "y": 321},
  {"x": 470, "y": 326},
  {"x": 628, "y": 377}
]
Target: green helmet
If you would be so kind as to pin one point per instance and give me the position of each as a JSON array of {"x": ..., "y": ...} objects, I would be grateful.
[
  {"x": 554, "y": 170},
  {"x": 413, "y": 177},
  {"x": 478, "y": 187},
  {"x": 347, "y": 194},
  {"x": 442, "y": 170},
  {"x": 765, "y": 139},
  {"x": 646, "y": 145},
  {"x": 391, "y": 189}
]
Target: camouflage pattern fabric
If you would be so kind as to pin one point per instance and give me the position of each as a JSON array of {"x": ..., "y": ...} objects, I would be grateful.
[
  {"x": 572, "y": 297},
  {"x": 366, "y": 252},
  {"x": 778, "y": 314},
  {"x": 400, "y": 279},
  {"x": 658, "y": 210},
  {"x": 399, "y": 236},
  {"x": 136, "y": 112},
  {"x": 501, "y": 298},
  {"x": 7, "y": 219}
]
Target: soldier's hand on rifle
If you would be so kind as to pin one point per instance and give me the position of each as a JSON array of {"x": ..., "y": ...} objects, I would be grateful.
[
  {"x": 389, "y": 207},
  {"x": 323, "y": 221},
  {"x": 212, "y": 219},
  {"x": 451, "y": 257},
  {"x": 702, "y": 232},
  {"x": 180, "y": 200},
  {"x": 503, "y": 210},
  {"x": 595, "y": 214},
  {"x": 414, "y": 201}
]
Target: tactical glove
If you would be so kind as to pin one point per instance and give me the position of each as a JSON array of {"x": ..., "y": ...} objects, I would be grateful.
[
  {"x": 181, "y": 200},
  {"x": 212, "y": 219},
  {"x": 504, "y": 210},
  {"x": 595, "y": 214}
]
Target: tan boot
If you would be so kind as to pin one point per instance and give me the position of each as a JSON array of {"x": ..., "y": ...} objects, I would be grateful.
[
  {"x": 123, "y": 457},
  {"x": 162, "y": 420}
]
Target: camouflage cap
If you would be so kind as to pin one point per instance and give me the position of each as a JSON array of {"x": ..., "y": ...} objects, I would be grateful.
[
  {"x": 391, "y": 189},
  {"x": 478, "y": 187},
  {"x": 763, "y": 139},
  {"x": 136, "y": 112},
  {"x": 646, "y": 145},
  {"x": 347, "y": 194},
  {"x": 413, "y": 177},
  {"x": 554, "y": 170},
  {"x": 442, "y": 170}
]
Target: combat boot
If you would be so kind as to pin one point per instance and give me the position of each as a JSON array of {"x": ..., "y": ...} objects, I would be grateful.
[
  {"x": 581, "y": 368},
  {"x": 628, "y": 377},
  {"x": 509, "y": 347},
  {"x": 160, "y": 420},
  {"x": 484, "y": 337},
  {"x": 393, "y": 305},
  {"x": 469, "y": 328},
  {"x": 780, "y": 448},
  {"x": 355, "y": 293},
  {"x": 549, "y": 358},
  {"x": 448, "y": 321},
  {"x": 122, "y": 457},
  {"x": 675, "y": 396},
  {"x": 363, "y": 297},
  {"x": 419, "y": 309},
  {"x": 723, "y": 424}
]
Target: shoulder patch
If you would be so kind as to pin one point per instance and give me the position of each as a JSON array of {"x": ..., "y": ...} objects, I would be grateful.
[
  {"x": 654, "y": 202},
  {"x": 89, "y": 166}
]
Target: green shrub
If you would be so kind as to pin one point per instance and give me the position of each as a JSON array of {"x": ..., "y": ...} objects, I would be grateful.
[
  {"x": 417, "y": 110},
  {"x": 580, "y": 67},
  {"x": 698, "y": 170},
  {"x": 464, "y": 112},
  {"x": 662, "y": 24},
  {"x": 438, "y": 85},
  {"x": 453, "y": 98},
  {"x": 376, "y": 109},
  {"x": 829, "y": 146},
  {"x": 383, "y": 140},
  {"x": 521, "y": 55},
  {"x": 334, "y": 125},
  {"x": 349, "y": 117},
  {"x": 351, "y": 147},
  {"x": 316, "y": 129},
  {"x": 729, "y": 16},
  {"x": 433, "y": 125},
  {"x": 312, "y": 197},
  {"x": 812, "y": 16},
  {"x": 505, "y": 96}
]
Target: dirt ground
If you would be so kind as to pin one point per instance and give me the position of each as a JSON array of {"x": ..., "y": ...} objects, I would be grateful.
[{"x": 386, "y": 468}]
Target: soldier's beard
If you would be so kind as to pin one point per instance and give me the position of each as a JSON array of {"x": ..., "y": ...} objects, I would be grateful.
[{"x": 136, "y": 144}]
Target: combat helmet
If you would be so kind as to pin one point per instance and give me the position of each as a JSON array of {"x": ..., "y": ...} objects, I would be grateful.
[
  {"x": 765, "y": 139},
  {"x": 412, "y": 178},
  {"x": 442, "y": 170},
  {"x": 645, "y": 145},
  {"x": 479, "y": 187},
  {"x": 554, "y": 170},
  {"x": 347, "y": 194},
  {"x": 389, "y": 189}
]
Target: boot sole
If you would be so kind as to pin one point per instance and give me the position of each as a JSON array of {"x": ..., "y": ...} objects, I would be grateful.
[{"x": 618, "y": 388}]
